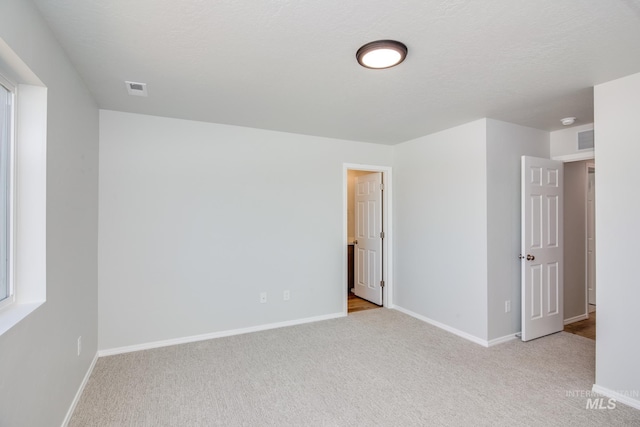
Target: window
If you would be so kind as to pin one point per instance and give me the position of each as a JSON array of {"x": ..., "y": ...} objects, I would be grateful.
[
  {"x": 23, "y": 190},
  {"x": 6, "y": 154}
]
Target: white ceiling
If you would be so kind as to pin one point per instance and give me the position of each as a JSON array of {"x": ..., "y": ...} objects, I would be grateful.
[{"x": 289, "y": 65}]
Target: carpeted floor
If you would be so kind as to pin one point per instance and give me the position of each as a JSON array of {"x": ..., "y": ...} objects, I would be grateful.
[{"x": 372, "y": 368}]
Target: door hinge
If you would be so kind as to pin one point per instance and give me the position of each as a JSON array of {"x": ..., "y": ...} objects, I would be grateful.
[
  {"x": 382, "y": 234},
  {"x": 382, "y": 187},
  {"x": 382, "y": 283}
]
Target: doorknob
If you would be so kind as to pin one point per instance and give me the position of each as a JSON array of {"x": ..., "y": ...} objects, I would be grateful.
[
  {"x": 355, "y": 242},
  {"x": 528, "y": 257}
]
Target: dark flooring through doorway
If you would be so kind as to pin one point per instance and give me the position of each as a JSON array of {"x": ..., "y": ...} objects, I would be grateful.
[
  {"x": 355, "y": 303},
  {"x": 585, "y": 328}
]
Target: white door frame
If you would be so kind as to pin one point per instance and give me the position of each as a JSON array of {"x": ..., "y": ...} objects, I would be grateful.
[
  {"x": 588, "y": 165},
  {"x": 387, "y": 226},
  {"x": 590, "y": 155}
]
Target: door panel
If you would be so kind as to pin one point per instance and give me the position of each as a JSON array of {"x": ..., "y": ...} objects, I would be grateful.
[
  {"x": 542, "y": 287},
  {"x": 536, "y": 221},
  {"x": 536, "y": 291},
  {"x": 368, "y": 201},
  {"x": 553, "y": 220},
  {"x": 552, "y": 288}
]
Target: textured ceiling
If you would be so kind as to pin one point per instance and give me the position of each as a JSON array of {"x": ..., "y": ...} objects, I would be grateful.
[{"x": 290, "y": 65}]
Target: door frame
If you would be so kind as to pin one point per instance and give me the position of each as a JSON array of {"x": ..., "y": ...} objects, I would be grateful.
[
  {"x": 578, "y": 157},
  {"x": 590, "y": 164},
  {"x": 387, "y": 227}
]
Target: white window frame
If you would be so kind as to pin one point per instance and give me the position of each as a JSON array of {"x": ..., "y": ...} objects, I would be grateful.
[
  {"x": 29, "y": 212},
  {"x": 12, "y": 88}
]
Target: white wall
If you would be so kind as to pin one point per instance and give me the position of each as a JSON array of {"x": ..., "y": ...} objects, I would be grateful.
[
  {"x": 39, "y": 370},
  {"x": 196, "y": 219},
  {"x": 440, "y": 209},
  {"x": 617, "y": 109},
  {"x": 457, "y": 229},
  {"x": 506, "y": 143},
  {"x": 564, "y": 144}
]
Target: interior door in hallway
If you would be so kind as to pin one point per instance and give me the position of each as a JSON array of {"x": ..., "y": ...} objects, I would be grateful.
[
  {"x": 542, "y": 263},
  {"x": 368, "y": 245}
]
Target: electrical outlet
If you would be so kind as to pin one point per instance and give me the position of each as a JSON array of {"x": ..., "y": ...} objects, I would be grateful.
[
  {"x": 79, "y": 345},
  {"x": 263, "y": 297},
  {"x": 286, "y": 295},
  {"x": 507, "y": 306}
]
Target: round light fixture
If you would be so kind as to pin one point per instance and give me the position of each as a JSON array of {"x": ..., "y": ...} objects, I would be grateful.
[
  {"x": 568, "y": 121},
  {"x": 381, "y": 54}
]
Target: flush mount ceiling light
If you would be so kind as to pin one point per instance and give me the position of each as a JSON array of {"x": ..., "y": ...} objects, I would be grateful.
[
  {"x": 568, "y": 121},
  {"x": 381, "y": 54}
]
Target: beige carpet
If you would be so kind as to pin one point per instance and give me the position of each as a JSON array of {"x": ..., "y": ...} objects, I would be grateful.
[{"x": 372, "y": 368}]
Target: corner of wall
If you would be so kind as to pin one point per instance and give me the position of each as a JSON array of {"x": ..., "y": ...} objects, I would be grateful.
[
  {"x": 617, "y": 108},
  {"x": 43, "y": 370},
  {"x": 506, "y": 143}
]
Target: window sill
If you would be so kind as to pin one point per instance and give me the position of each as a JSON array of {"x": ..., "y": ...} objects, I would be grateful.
[{"x": 11, "y": 315}]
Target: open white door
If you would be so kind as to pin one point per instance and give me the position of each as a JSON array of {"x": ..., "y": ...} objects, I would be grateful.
[
  {"x": 368, "y": 245},
  {"x": 542, "y": 264}
]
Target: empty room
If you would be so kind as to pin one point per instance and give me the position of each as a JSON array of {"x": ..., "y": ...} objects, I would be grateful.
[{"x": 279, "y": 213}]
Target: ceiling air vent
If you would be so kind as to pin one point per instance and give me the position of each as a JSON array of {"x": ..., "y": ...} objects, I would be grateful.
[
  {"x": 137, "y": 89},
  {"x": 585, "y": 140}
]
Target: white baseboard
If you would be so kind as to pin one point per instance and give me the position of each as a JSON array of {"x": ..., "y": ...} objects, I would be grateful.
[
  {"x": 619, "y": 397},
  {"x": 221, "y": 334},
  {"x": 76, "y": 399},
  {"x": 447, "y": 328},
  {"x": 503, "y": 339},
  {"x": 576, "y": 319}
]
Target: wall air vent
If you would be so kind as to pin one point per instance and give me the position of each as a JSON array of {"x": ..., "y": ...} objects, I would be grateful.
[
  {"x": 136, "y": 89},
  {"x": 585, "y": 140}
]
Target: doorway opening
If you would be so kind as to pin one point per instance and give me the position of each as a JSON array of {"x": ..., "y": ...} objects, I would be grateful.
[
  {"x": 367, "y": 237},
  {"x": 580, "y": 255}
]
